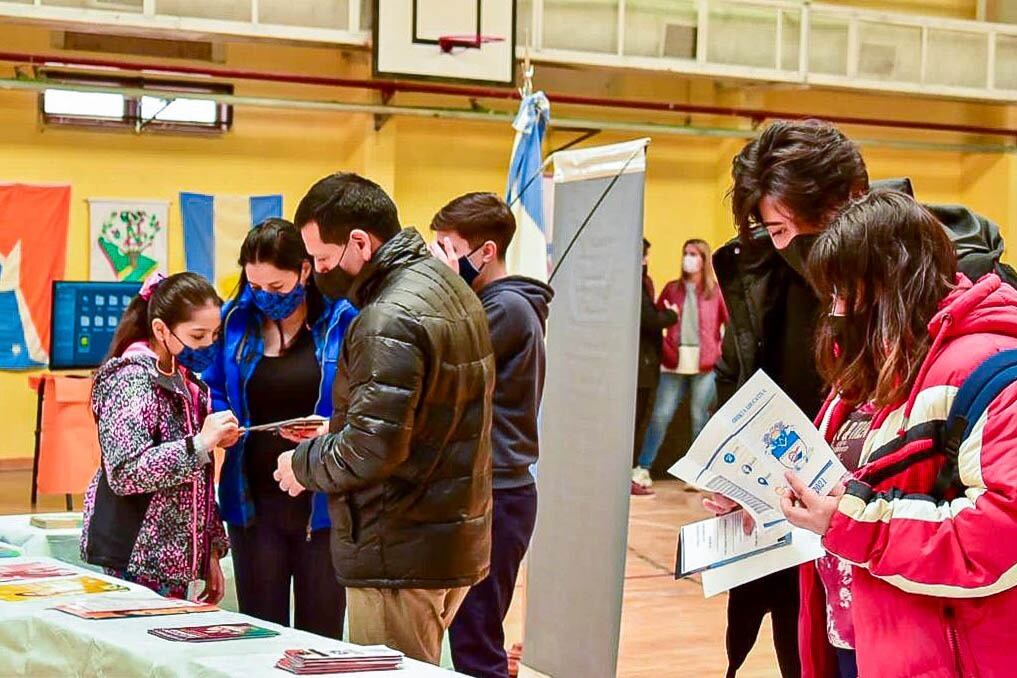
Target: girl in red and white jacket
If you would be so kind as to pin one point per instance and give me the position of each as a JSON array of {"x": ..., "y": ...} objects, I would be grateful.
[{"x": 930, "y": 587}]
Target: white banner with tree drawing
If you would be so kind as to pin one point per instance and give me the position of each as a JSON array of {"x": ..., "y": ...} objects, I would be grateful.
[{"x": 127, "y": 239}]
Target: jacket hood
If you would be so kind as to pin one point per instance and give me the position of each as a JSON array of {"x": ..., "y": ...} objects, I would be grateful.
[
  {"x": 538, "y": 294},
  {"x": 985, "y": 307}
]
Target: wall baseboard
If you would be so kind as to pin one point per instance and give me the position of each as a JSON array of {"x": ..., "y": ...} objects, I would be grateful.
[{"x": 16, "y": 464}]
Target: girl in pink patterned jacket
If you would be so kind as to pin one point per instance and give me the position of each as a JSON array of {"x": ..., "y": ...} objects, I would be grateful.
[{"x": 150, "y": 512}]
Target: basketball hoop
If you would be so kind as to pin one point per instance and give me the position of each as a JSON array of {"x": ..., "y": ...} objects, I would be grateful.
[{"x": 447, "y": 43}]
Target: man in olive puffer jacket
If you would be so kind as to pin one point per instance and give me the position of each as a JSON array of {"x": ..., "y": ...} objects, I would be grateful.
[{"x": 407, "y": 460}]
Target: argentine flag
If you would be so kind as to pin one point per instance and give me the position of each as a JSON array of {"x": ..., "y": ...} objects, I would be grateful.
[
  {"x": 214, "y": 229},
  {"x": 529, "y": 253}
]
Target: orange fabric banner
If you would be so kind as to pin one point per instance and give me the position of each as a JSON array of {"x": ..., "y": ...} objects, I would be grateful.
[
  {"x": 69, "y": 447},
  {"x": 33, "y": 248}
]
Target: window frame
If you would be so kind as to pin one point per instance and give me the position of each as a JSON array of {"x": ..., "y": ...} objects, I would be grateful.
[{"x": 131, "y": 119}]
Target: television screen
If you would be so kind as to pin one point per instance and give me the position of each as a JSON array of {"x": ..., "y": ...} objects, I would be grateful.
[{"x": 85, "y": 316}]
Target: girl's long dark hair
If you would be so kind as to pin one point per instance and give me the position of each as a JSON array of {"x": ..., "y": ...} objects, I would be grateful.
[
  {"x": 277, "y": 242},
  {"x": 891, "y": 261},
  {"x": 173, "y": 301}
]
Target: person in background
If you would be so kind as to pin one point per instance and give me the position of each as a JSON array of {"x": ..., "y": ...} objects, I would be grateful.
[
  {"x": 277, "y": 361},
  {"x": 788, "y": 185},
  {"x": 474, "y": 232},
  {"x": 652, "y": 322},
  {"x": 690, "y": 351},
  {"x": 407, "y": 461},
  {"x": 150, "y": 513},
  {"x": 931, "y": 589}
]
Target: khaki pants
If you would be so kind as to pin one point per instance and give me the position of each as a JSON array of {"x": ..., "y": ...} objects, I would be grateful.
[{"x": 412, "y": 621}]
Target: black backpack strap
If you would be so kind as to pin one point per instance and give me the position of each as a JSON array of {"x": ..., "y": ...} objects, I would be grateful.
[{"x": 972, "y": 400}]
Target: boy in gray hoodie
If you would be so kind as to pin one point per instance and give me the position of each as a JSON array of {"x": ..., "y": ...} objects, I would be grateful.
[{"x": 474, "y": 232}]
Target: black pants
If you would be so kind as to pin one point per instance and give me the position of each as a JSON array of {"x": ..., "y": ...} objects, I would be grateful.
[
  {"x": 476, "y": 635},
  {"x": 645, "y": 398},
  {"x": 266, "y": 558},
  {"x": 776, "y": 594}
]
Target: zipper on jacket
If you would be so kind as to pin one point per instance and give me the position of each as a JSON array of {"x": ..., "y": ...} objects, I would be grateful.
[
  {"x": 954, "y": 639},
  {"x": 321, "y": 394}
]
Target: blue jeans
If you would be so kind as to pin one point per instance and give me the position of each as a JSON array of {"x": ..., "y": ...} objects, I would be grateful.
[{"x": 670, "y": 393}]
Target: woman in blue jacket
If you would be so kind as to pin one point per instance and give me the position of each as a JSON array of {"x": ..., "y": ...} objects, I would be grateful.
[{"x": 279, "y": 350}]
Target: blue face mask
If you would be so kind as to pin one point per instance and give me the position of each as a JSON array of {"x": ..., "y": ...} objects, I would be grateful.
[
  {"x": 195, "y": 359},
  {"x": 467, "y": 271},
  {"x": 279, "y": 305}
]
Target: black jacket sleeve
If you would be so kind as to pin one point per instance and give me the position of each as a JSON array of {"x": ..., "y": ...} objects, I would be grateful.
[
  {"x": 386, "y": 375},
  {"x": 727, "y": 370},
  {"x": 653, "y": 320}
]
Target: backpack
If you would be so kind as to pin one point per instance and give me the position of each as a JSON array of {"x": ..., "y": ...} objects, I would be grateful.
[{"x": 972, "y": 400}]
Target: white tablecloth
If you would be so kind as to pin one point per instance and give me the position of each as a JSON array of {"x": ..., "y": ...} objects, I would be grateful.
[
  {"x": 38, "y": 641},
  {"x": 63, "y": 545}
]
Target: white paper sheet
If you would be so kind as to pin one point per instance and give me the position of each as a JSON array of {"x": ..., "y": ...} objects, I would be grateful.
[
  {"x": 803, "y": 546},
  {"x": 719, "y": 541},
  {"x": 745, "y": 449}
]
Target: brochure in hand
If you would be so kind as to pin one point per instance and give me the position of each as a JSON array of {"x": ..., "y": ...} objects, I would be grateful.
[
  {"x": 745, "y": 450},
  {"x": 308, "y": 424},
  {"x": 211, "y": 634}
]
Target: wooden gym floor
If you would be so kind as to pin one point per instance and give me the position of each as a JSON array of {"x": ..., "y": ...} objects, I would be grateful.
[{"x": 668, "y": 628}]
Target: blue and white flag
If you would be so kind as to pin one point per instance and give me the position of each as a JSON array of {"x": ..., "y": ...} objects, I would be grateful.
[
  {"x": 529, "y": 253},
  {"x": 214, "y": 229}
]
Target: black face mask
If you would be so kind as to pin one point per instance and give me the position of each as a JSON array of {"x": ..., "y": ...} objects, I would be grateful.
[
  {"x": 335, "y": 283},
  {"x": 796, "y": 254}
]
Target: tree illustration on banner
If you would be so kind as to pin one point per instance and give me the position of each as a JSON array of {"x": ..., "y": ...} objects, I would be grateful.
[{"x": 128, "y": 239}]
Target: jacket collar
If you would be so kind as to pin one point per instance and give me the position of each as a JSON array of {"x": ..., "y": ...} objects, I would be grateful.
[{"x": 406, "y": 248}]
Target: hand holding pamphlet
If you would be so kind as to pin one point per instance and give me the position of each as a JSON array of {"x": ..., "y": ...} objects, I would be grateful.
[
  {"x": 719, "y": 549},
  {"x": 749, "y": 444},
  {"x": 307, "y": 424}
]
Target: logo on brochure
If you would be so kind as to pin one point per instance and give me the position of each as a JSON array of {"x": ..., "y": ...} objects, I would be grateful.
[{"x": 786, "y": 446}]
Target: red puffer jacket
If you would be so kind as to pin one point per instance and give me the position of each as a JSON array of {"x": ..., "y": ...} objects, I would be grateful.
[
  {"x": 712, "y": 318},
  {"x": 933, "y": 592}
]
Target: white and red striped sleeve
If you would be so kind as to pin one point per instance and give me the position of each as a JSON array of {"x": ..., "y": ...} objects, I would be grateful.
[{"x": 965, "y": 548}]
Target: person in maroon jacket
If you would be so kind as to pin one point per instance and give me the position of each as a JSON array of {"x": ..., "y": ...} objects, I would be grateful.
[{"x": 691, "y": 349}]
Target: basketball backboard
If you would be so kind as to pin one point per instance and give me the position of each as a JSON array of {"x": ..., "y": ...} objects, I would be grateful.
[{"x": 461, "y": 40}]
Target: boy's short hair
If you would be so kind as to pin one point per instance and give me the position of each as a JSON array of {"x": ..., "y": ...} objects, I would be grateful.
[{"x": 477, "y": 218}]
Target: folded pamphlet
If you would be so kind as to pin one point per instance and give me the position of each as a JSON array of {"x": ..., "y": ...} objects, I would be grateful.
[
  {"x": 312, "y": 423},
  {"x": 214, "y": 633},
  {"x": 746, "y": 448},
  {"x": 308, "y": 662},
  {"x": 53, "y": 588},
  {"x": 33, "y": 570},
  {"x": 124, "y": 606}
]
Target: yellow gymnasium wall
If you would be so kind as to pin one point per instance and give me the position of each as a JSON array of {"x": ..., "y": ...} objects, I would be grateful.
[{"x": 425, "y": 163}]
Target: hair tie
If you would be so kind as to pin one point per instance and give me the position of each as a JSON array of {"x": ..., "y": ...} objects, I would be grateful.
[{"x": 151, "y": 282}]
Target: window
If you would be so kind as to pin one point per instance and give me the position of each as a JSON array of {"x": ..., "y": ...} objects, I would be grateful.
[{"x": 158, "y": 112}]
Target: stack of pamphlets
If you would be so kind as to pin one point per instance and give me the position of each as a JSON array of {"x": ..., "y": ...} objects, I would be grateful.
[{"x": 348, "y": 660}]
